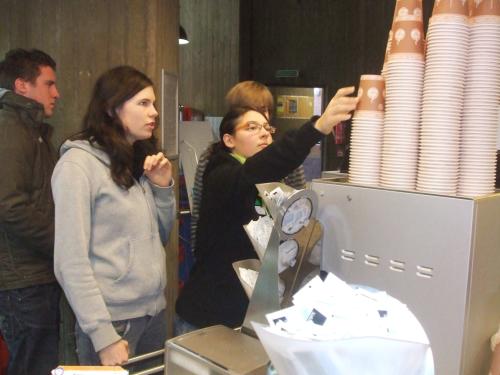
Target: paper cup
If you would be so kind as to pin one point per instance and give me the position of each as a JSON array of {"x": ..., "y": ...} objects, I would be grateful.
[
  {"x": 372, "y": 93},
  {"x": 451, "y": 7},
  {"x": 407, "y": 38},
  {"x": 407, "y": 8},
  {"x": 484, "y": 8}
]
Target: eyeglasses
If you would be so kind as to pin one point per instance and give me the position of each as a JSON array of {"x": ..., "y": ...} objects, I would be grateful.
[{"x": 254, "y": 127}]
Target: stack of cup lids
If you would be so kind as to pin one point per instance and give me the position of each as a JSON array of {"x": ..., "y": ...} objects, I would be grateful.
[
  {"x": 404, "y": 85},
  {"x": 366, "y": 134},
  {"x": 482, "y": 97},
  {"x": 443, "y": 97}
]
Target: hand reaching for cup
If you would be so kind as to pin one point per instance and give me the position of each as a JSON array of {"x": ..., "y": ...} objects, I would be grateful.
[
  {"x": 339, "y": 109},
  {"x": 158, "y": 169}
]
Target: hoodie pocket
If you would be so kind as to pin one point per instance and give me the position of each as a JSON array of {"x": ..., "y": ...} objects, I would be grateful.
[{"x": 144, "y": 275}]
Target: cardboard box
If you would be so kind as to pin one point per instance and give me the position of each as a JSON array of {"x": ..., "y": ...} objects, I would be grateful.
[{"x": 89, "y": 370}]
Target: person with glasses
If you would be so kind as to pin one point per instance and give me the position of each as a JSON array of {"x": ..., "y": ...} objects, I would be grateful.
[
  {"x": 245, "y": 155},
  {"x": 244, "y": 94}
]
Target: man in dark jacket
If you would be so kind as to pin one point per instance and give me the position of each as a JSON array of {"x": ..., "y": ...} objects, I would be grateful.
[{"x": 29, "y": 293}]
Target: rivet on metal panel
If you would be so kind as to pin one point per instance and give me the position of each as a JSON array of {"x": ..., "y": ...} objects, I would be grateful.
[
  {"x": 426, "y": 272},
  {"x": 397, "y": 265},
  {"x": 348, "y": 255},
  {"x": 372, "y": 260}
]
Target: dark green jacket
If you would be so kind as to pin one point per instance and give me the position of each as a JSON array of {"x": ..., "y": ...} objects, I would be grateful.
[{"x": 26, "y": 205}]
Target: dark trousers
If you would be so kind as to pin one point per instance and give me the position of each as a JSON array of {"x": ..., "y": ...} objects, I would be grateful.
[
  {"x": 144, "y": 335},
  {"x": 29, "y": 322}
]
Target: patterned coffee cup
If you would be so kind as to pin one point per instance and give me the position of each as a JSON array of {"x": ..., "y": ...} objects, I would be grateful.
[
  {"x": 408, "y": 8},
  {"x": 388, "y": 47},
  {"x": 407, "y": 37},
  {"x": 450, "y": 7},
  {"x": 372, "y": 93},
  {"x": 484, "y": 8}
]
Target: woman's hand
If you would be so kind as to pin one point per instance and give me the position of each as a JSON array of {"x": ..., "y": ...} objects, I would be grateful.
[
  {"x": 114, "y": 354},
  {"x": 495, "y": 361},
  {"x": 339, "y": 109},
  {"x": 158, "y": 169}
]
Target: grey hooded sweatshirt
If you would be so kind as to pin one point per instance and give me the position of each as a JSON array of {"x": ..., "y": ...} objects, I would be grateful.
[{"x": 108, "y": 256}]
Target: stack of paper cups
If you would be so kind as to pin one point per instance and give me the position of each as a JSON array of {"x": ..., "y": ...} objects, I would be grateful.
[
  {"x": 366, "y": 135},
  {"x": 444, "y": 81},
  {"x": 404, "y": 85},
  {"x": 482, "y": 96},
  {"x": 402, "y": 10}
]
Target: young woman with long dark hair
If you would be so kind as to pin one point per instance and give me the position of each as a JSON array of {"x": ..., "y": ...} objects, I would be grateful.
[{"x": 115, "y": 207}]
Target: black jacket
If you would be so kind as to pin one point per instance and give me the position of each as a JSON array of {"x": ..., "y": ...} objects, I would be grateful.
[
  {"x": 213, "y": 293},
  {"x": 26, "y": 205}
]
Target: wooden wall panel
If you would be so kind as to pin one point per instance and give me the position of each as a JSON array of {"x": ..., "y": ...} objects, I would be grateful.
[
  {"x": 136, "y": 35},
  {"x": 117, "y": 31},
  {"x": 74, "y": 97},
  {"x": 209, "y": 64},
  {"x": 88, "y": 37}
]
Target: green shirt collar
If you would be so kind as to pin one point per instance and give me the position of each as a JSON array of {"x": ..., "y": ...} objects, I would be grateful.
[{"x": 238, "y": 157}]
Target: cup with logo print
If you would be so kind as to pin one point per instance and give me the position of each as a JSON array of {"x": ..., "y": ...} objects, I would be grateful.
[
  {"x": 372, "y": 93},
  {"x": 459, "y": 7}
]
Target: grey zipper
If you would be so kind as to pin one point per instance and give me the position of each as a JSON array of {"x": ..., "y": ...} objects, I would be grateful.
[{"x": 148, "y": 205}]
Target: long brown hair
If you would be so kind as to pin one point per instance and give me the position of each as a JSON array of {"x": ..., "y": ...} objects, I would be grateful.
[{"x": 102, "y": 126}]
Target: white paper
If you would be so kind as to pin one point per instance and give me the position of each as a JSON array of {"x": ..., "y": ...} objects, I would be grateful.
[
  {"x": 259, "y": 232},
  {"x": 249, "y": 276},
  {"x": 336, "y": 328},
  {"x": 287, "y": 257},
  {"x": 278, "y": 196}
]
